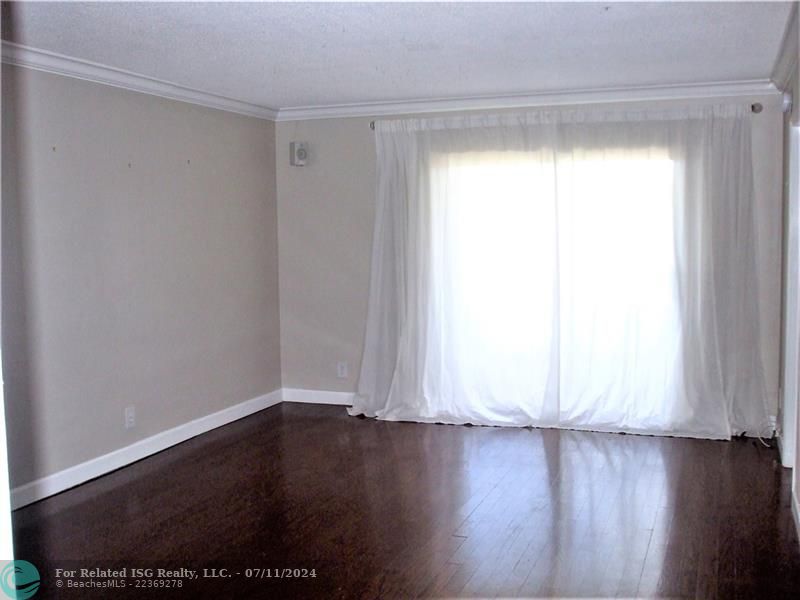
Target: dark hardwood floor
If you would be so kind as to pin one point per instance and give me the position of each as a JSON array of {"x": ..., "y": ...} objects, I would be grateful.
[{"x": 400, "y": 510}]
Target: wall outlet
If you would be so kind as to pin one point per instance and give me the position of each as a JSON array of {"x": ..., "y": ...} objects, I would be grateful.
[
  {"x": 342, "y": 370},
  {"x": 130, "y": 417}
]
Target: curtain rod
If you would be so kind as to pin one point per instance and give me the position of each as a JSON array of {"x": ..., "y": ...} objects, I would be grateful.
[{"x": 755, "y": 108}]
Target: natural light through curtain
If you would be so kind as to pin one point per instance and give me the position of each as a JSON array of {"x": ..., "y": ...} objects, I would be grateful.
[
  {"x": 494, "y": 255},
  {"x": 515, "y": 265},
  {"x": 576, "y": 269}
]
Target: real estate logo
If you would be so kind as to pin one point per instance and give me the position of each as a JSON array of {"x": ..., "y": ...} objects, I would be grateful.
[{"x": 19, "y": 579}]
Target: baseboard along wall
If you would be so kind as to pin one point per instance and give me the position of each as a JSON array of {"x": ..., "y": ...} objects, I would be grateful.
[{"x": 63, "y": 480}]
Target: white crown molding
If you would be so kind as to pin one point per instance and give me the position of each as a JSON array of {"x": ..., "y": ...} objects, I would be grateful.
[
  {"x": 95, "y": 467},
  {"x": 52, "y": 62},
  {"x": 756, "y": 87}
]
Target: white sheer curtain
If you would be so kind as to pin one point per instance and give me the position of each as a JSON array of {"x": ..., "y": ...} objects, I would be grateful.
[{"x": 584, "y": 269}]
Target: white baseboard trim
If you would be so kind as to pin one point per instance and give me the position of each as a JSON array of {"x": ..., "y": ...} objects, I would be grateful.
[
  {"x": 796, "y": 512},
  {"x": 317, "y": 397},
  {"x": 787, "y": 460},
  {"x": 72, "y": 476}
]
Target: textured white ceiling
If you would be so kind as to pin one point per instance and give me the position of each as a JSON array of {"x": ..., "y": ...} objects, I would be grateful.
[{"x": 289, "y": 55}]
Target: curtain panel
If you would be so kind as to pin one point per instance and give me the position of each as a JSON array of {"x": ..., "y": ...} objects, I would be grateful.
[{"x": 586, "y": 269}]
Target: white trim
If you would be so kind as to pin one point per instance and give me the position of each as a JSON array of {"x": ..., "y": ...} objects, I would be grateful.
[
  {"x": 779, "y": 441},
  {"x": 72, "y": 476},
  {"x": 60, "y": 64},
  {"x": 52, "y": 62},
  {"x": 796, "y": 512},
  {"x": 317, "y": 397},
  {"x": 757, "y": 87},
  {"x": 790, "y": 374},
  {"x": 95, "y": 467}
]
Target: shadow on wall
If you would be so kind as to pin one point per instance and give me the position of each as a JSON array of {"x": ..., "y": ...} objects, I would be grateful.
[{"x": 18, "y": 364}]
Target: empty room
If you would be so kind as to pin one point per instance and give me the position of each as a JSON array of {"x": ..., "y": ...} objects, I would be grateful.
[{"x": 400, "y": 300}]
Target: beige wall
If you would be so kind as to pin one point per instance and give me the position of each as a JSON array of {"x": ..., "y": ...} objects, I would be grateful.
[
  {"x": 139, "y": 266},
  {"x": 325, "y": 217}
]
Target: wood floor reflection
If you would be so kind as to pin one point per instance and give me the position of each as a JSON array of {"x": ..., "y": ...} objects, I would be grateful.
[{"x": 401, "y": 510}]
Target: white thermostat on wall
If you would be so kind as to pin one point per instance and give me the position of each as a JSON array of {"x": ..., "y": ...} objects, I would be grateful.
[{"x": 298, "y": 154}]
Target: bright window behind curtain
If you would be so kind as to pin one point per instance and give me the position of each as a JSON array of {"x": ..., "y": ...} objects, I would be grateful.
[
  {"x": 571, "y": 271},
  {"x": 494, "y": 252},
  {"x": 588, "y": 269}
]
